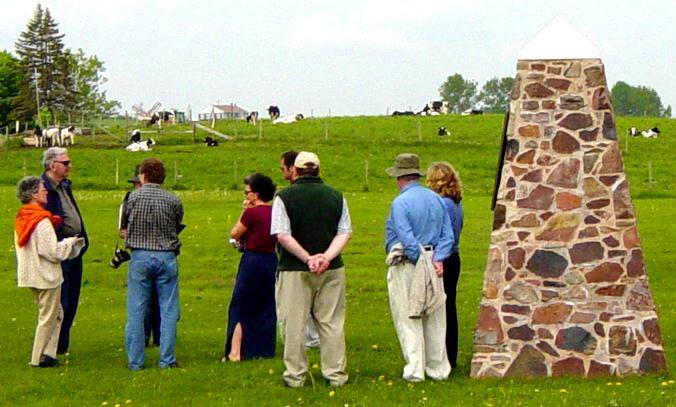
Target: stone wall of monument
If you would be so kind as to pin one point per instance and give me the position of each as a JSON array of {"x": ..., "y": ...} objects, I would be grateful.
[{"x": 565, "y": 288}]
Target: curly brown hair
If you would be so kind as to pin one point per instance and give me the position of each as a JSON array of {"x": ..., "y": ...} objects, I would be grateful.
[
  {"x": 444, "y": 180},
  {"x": 153, "y": 170}
]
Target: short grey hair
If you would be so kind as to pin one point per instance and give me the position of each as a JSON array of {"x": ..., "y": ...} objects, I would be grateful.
[
  {"x": 50, "y": 155},
  {"x": 26, "y": 187}
]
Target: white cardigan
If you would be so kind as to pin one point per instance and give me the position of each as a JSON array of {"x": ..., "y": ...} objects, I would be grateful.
[{"x": 39, "y": 260}]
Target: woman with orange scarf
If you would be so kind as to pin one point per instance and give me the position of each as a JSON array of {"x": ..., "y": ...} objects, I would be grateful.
[{"x": 38, "y": 257}]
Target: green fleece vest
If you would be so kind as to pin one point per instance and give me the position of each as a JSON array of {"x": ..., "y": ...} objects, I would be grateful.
[{"x": 314, "y": 210}]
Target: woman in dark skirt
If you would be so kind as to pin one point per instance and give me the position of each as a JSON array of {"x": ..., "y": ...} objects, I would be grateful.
[
  {"x": 442, "y": 178},
  {"x": 251, "y": 318}
]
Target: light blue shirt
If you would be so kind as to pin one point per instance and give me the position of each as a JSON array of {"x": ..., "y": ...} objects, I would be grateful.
[
  {"x": 418, "y": 216},
  {"x": 455, "y": 213}
]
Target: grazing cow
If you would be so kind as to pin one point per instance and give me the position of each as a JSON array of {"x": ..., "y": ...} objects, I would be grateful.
[
  {"x": 434, "y": 108},
  {"x": 471, "y": 111},
  {"x": 406, "y": 113},
  {"x": 443, "y": 131},
  {"x": 67, "y": 136},
  {"x": 210, "y": 142},
  {"x": 252, "y": 118},
  {"x": 37, "y": 135},
  {"x": 273, "y": 111},
  {"x": 144, "y": 145},
  {"x": 651, "y": 133},
  {"x": 135, "y": 136},
  {"x": 51, "y": 136},
  {"x": 289, "y": 119}
]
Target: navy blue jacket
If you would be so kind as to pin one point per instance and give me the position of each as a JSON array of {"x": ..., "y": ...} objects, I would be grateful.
[{"x": 55, "y": 207}]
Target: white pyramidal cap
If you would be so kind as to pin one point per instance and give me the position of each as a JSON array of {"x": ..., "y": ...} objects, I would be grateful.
[{"x": 559, "y": 40}]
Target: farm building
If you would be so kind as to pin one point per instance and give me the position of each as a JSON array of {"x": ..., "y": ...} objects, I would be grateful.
[{"x": 231, "y": 111}]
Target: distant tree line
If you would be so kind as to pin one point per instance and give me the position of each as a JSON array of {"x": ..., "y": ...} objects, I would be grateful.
[
  {"x": 462, "y": 94},
  {"x": 48, "y": 83}
]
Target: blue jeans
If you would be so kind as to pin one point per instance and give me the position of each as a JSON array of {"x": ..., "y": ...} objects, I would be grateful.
[{"x": 148, "y": 269}]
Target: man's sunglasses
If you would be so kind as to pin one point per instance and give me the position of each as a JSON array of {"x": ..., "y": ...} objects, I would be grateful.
[{"x": 66, "y": 163}]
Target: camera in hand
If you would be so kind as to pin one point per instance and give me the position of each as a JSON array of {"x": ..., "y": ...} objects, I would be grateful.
[{"x": 119, "y": 257}]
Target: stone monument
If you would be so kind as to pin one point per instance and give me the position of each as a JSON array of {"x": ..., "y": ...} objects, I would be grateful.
[{"x": 565, "y": 290}]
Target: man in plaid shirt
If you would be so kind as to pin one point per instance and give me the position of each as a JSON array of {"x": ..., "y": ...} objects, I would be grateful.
[{"x": 153, "y": 221}]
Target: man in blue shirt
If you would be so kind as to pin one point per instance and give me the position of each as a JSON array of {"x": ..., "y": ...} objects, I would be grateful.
[{"x": 417, "y": 222}]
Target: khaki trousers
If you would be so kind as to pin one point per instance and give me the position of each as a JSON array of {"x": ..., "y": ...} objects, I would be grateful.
[
  {"x": 422, "y": 340},
  {"x": 50, "y": 315},
  {"x": 299, "y": 293}
]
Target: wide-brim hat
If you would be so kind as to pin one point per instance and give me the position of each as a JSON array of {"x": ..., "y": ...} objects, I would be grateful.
[{"x": 405, "y": 164}]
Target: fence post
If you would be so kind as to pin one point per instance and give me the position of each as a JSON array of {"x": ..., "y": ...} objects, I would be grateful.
[
  {"x": 117, "y": 171},
  {"x": 17, "y": 127},
  {"x": 419, "y": 132},
  {"x": 650, "y": 174},
  {"x": 260, "y": 129},
  {"x": 366, "y": 173},
  {"x": 326, "y": 129}
]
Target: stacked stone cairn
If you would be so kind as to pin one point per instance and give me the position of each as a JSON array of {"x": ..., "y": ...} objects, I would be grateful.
[{"x": 565, "y": 289}]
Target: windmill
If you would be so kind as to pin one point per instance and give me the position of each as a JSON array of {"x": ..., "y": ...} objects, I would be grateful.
[{"x": 148, "y": 116}]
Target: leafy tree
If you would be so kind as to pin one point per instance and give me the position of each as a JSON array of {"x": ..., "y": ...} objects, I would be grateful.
[
  {"x": 458, "y": 92},
  {"x": 11, "y": 79},
  {"x": 495, "y": 94},
  {"x": 40, "y": 48},
  {"x": 86, "y": 77},
  {"x": 667, "y": 111},
  {"x": 636, "y": 100}
]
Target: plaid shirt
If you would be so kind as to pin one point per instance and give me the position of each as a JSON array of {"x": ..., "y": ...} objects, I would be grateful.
[{"x": 153, "y": 219}]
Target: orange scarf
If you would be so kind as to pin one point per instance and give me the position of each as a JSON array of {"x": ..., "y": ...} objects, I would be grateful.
[{"x": 28, "y": 217}]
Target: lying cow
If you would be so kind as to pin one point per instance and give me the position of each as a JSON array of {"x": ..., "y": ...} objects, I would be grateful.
[
  {"x": 650, "y": 133},
  {"x": 135, "y": 136},
  {"x": 434, "y": 108},
  {"x": 406, "y": 113},
  {"x": 471, "y": 111},
  {"x": 210, "y": 142},
  {"x": 273, "y": 111},
  {"x": 442, "y": 131},
  {"x": 144, "y": 145},
  {"x": 289, "y": 119},
  {"x": 252, "y": 118}
]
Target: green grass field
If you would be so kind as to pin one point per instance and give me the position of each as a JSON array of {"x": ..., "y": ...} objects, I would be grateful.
[{"x": 208, "y": 182}]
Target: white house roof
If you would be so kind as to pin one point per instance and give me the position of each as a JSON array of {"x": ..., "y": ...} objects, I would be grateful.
[{"x": 559, "y": 40}]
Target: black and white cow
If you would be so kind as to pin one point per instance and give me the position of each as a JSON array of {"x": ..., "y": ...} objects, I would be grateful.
[
  {"x": 292, "y": 118},
  {"x": 67, "y": 136},
  {"x": 144, "y": 145},
  {"x": 135, "y": 136},
  {"x": 153, "y": 119},
  {"x": 470, "y": 112},
  {"x": 38, "y": 136},
  {"x": 405, "y": 113},
  {"x": 442, "y": 131},
  {"x": 252, "y": 118},
  {"x": 51, "y": 136},
  {"x": 273, "y": 111},
  {"x": 651, "y": 133},
  {"x": 434, "y": 108},
  {"x": 210, "y": 142}
]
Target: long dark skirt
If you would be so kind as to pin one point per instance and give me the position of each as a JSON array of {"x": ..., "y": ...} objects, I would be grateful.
[
  {"x": 451, "y": 275},
  {"x": 253, "y": 306}
]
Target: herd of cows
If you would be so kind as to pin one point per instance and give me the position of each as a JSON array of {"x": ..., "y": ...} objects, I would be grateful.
[{"x": 65, "y": 136}]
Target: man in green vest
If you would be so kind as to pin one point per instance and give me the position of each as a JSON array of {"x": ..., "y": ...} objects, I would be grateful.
[{"x": 312, "y": 224}]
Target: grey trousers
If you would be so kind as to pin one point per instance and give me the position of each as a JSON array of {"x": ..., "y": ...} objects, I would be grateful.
[
  {"x": 298, "y": 292},
  {"x": 50, "y": 316}
]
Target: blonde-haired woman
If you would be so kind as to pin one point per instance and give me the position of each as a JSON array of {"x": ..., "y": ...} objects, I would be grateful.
[{"x": 443, "y": 179}]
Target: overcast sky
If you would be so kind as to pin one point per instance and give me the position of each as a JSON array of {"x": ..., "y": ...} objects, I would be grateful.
[{"x": 352, "y": 57}]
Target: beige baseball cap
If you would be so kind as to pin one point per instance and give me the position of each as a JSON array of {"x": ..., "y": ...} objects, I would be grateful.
[{"x": 304, "y": 158}]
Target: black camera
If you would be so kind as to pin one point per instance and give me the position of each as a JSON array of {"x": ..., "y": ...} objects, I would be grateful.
[{"x": 119, "y": 257}]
